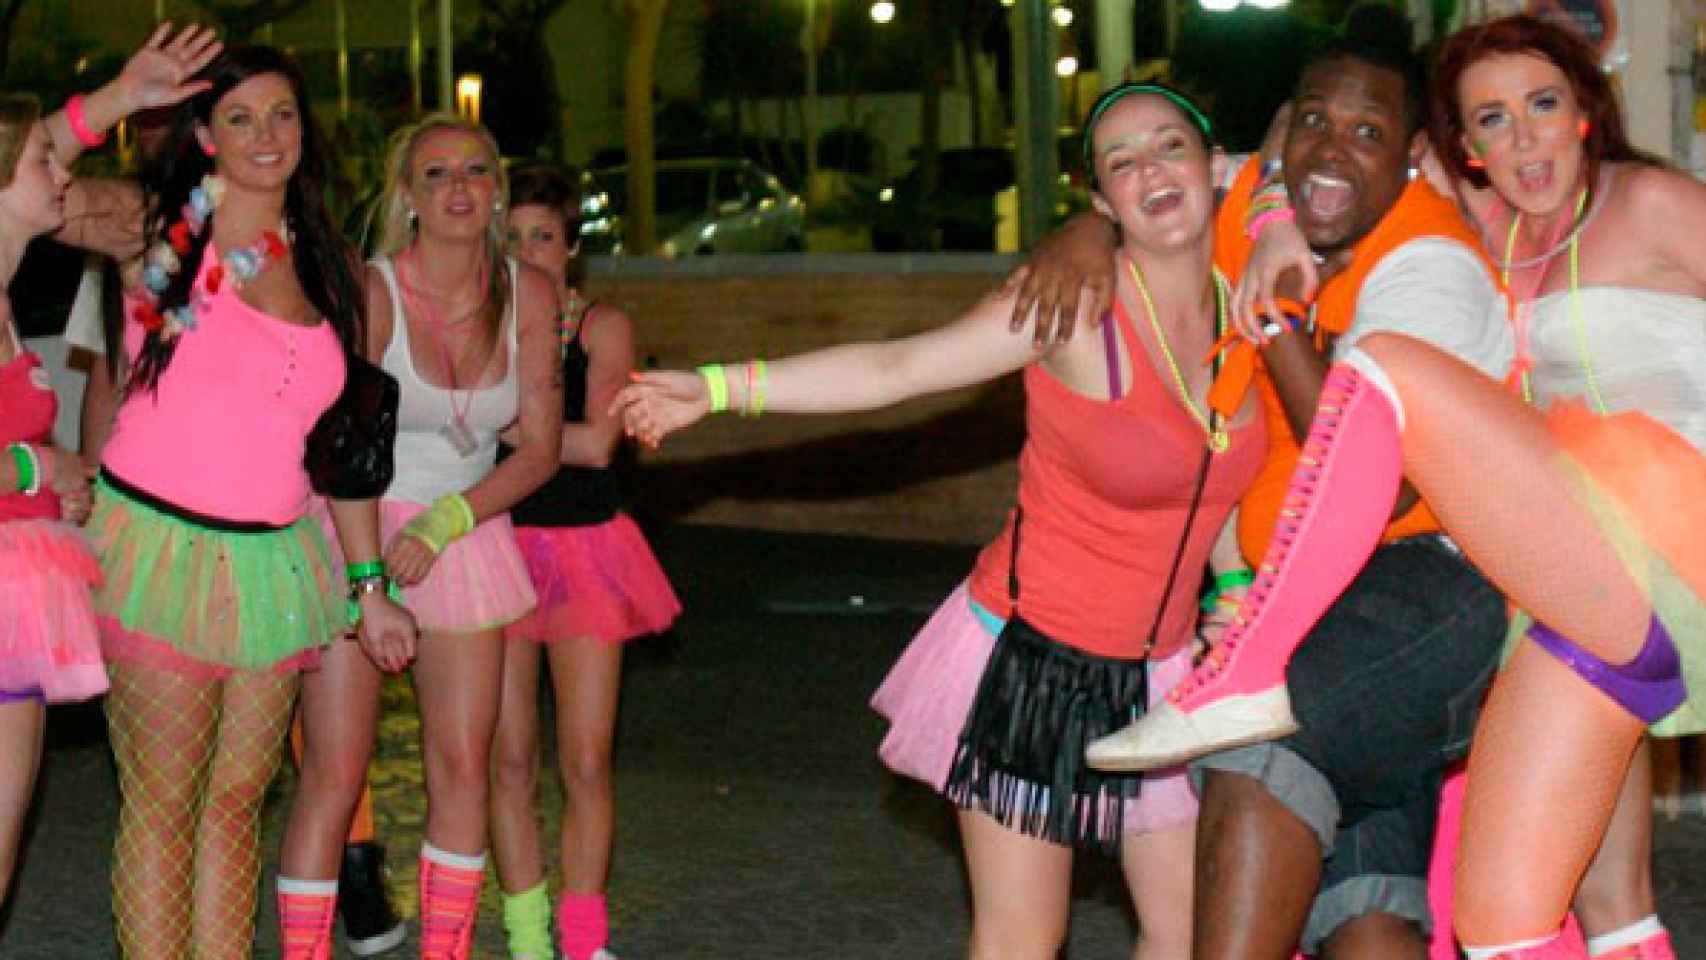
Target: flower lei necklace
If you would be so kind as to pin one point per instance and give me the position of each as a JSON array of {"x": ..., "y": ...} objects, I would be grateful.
[{"x": 163, "y": 262}]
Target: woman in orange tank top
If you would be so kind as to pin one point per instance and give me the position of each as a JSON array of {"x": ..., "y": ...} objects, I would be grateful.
[{"x": 1081, "y": 612}]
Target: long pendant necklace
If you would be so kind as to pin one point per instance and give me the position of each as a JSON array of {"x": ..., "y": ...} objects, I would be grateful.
[
  {"x": 455, "y": 430},
  {"x": 1524, "y": 361},
  {"x": 1218, "y": 439}
]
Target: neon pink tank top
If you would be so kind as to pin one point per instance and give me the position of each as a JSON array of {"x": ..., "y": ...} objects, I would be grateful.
[
  {"x": 27, "y": 409},
  {"x": 224, "y": 433},
  {"x": 1105, "y": 486}
]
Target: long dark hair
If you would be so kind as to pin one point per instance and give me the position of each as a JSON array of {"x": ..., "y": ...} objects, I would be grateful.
[
  {"x": 324, "y": 263},
  {"x": 1529, "y": 36},
  {"x": 559, "y": 189}
]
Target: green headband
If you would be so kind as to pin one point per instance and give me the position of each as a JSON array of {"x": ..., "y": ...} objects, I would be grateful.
[{"x": 1116, "y": 94}]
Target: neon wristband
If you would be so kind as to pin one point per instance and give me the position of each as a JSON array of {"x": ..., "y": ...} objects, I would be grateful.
[
  {"x": 361, "y": 571},
  {"x": 717, "y": 385},
  {"x": 24, "y": 463},
  {"x": 1233, "y": 579},
  {"x": 1209, "y": 600},
  {"x": 443, "y": 523},
  {"x": 757, "y": 382},
  {"x": 80, "y": 124},
  {"x": 1253, "y": 229}
]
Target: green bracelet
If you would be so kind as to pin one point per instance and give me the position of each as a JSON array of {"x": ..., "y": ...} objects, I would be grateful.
[
  {"x": 367, "y": 568},
  {"x": 717, "y": 385},
  {"x": 1209, "y": 600},
  {"x": 1233, "y": 578},
  {"x": 25, "y": 466}
]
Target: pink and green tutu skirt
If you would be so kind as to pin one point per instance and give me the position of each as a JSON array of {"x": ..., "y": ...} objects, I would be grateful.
[
  {"x": 206, "y": 598},
  {"x": 50, "y": 641},
  {"x": 600, "y": 580},
  {"x": 479, "y": 582}
]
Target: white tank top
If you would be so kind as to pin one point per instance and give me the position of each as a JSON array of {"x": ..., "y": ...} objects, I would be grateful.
[
  {"x": 1647, "y": 351},
  {"x": 428, "y": 464}
]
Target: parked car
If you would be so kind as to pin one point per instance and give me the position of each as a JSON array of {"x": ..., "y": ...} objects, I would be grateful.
[
  {"x": 715, "y": 206},
  {"x": 960, "y": 213}
]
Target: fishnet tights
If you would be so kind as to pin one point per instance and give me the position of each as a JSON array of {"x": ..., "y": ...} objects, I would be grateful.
[
  {"x": 1550, "y": 751},
  {"x": 194, "y": 759}
]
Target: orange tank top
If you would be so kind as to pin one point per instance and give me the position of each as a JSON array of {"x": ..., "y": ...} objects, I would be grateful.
[{"x": 1104, "y": 487}]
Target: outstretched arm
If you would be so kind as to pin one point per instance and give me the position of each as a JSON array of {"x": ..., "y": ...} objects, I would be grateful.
[{"x": 856, "y": 376}]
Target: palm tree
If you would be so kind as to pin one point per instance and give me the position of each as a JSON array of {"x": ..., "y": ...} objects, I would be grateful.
[{"x": 645, "y": 23}]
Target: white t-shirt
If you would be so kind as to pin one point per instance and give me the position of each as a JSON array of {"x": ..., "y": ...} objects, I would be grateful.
[
  {"x": 1440, "y": 292},
  {"x": 83, "y": 328}
]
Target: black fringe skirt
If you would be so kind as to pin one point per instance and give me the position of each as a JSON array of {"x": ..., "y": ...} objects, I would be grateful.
[{"x": 1021, "y": 754}]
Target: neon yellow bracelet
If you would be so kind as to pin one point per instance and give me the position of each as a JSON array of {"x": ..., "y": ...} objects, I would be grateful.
[
  {"x": 443, "y": 523},
  {"x": 717, "y": 385}
]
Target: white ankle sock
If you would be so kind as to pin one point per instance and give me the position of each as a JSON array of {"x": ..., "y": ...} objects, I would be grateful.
[
  {"x": 1641, "y": 929},
  {"x": 310, "y": 888},
  {"x": 1493, "y": 953},
  {"x": 464, "y": 861}
]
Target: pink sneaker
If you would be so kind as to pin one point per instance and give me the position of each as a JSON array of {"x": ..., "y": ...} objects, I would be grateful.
[{"x": 1340, "y": 497}]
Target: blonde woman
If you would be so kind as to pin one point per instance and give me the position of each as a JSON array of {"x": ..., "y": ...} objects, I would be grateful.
[{"x": 470, "y": 337}]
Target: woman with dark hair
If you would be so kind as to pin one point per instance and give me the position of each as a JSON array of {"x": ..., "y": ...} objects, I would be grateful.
[
  {"x": 1578, "y": 490},
  {"x": 599, "y": 586},
  {"x": 218, "y": 589},
  {"x": 1082, "y": 613},
  {"x": 471, "y": 336}
]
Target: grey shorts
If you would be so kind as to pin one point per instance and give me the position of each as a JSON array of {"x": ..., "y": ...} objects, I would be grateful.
[{"x": 1386, "y": 691}]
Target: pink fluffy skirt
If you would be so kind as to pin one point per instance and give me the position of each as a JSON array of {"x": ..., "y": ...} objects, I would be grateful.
[
  {"x": 49, "y": 637},
  {"x": 598, "y": 581},
  {"x": 929, "y": 692},
  {"x": 478, "y": 583}
]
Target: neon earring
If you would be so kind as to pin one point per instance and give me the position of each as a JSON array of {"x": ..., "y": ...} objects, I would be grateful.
[
  {"x": 1583, "y": 128},
  {"x": 208, "y": 148}
]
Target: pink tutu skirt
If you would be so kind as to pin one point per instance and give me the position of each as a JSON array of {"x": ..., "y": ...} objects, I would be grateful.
[
  {"x": 478, "y": 583},
  {"x": 598, "y": 581},
  {"x": 49, "y": 637},
  {"x": 929, "y": 691}
]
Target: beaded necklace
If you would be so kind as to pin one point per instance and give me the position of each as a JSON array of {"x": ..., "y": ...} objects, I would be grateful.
[
  {"x": 1578, "y": 324},
  {"x": 1218, "y": 439}
]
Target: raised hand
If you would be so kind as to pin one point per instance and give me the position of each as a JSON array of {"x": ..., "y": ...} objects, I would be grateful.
[
  {"x": 158, "y": 74},
  {"x": 1280, "y": 265},
  {"x": 660, "y": 402}
]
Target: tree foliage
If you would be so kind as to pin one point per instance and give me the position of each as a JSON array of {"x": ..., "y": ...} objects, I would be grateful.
[{"x": 239, "y": 19}]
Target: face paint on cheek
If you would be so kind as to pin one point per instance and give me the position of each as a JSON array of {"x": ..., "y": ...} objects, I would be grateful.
[{"x": 1478, "y": 147}]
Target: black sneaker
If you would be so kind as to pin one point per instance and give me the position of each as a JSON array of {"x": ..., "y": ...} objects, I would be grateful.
[{"x": 371, "y": 927}]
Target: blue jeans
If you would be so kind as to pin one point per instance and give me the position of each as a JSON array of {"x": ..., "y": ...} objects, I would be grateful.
[{"x": 1386, "y": 690}]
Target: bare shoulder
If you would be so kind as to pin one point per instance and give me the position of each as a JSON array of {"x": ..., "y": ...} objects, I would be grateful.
[
  {"x": 379, "y": 309},
  {"x": 605, "y": 320},
  {"x": 1655, "y": 191}
]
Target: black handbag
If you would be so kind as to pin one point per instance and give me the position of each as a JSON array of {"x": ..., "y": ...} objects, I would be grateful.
[{"x": 350, "y": 450}]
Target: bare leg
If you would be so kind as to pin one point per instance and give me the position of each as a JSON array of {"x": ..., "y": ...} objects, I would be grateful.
[
  {"x": 340, "y": 708},
  {"x": 1524, "y": 847},
  {"x": 1021, "y": 891},
  {"x": 21, "y": 726},
  {"x": 1618, "y": 887},
  {"x": 1376, "y": 936},
  {"x": 587, "y": 675},
  {"x": 515, "y": 771},
  {"x": 1158, "y": 870},
  {"x": 457, "y": 679},
  {"x": 1258, "y": 870}
]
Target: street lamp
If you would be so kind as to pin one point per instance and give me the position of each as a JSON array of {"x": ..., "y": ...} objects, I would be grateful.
[
  {"x": 468, "y": 96},
  {"x": 882, "y": 11},
  {"x": 1218, "y": 6},
  {"x": 1066, "y": 66},
  {"x": 1062, "y": 17},
  {"x": 1268, "y": 4}
]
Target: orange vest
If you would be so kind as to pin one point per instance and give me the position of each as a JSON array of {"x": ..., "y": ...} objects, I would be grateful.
[{"x": 1419, "y": 212}]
